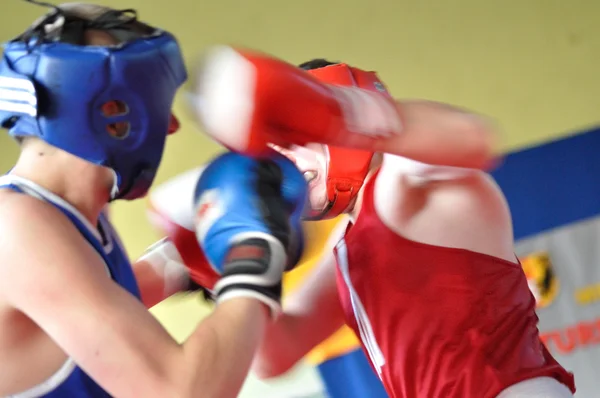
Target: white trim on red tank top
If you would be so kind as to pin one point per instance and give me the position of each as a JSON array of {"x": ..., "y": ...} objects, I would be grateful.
[{"x": 367, "y": 335}]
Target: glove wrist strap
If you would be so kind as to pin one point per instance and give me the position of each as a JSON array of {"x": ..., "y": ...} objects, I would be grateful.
[{"x": 253, "y": 268}]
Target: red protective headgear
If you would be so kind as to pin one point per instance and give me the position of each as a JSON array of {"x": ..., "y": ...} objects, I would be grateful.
[{"x": 347, "y": 169}]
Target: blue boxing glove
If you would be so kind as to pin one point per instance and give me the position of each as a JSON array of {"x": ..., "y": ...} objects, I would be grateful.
[{"x": 248, "y": 224}]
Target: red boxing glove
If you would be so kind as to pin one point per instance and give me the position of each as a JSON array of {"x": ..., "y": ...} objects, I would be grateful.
[
  {"x": 170, "y": 212},
  {"x": 246, "y": 100}
]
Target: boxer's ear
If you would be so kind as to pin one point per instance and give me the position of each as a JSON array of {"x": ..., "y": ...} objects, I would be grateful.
[{"x": 173, "y": 125}]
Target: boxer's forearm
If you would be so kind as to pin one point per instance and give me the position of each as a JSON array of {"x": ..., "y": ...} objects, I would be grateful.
[
  {"x": 312, "y": 314},
  {"x": 282, "y": 348},
  {"x": 436, "y": 134},
  {"x": 221, "y": 349}
]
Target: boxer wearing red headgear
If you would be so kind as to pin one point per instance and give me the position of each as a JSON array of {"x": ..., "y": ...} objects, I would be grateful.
[{"x": 426, "y": 272}]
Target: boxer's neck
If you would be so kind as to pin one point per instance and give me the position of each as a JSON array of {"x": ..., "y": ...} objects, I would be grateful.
[
  {"x": 375, "y": 165},
  {"x": 82, "y": 184}
]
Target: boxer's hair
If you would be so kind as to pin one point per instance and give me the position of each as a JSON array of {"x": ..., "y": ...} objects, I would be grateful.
[
  {"x": 316, "y": 64},
  {"x": 120, "y": 25}
]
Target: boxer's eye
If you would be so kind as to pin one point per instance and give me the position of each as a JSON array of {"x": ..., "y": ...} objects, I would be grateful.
[{"x": 310, "y": 175}]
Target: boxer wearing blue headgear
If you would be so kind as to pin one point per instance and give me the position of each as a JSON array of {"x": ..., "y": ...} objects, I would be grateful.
[
  {"x": 53, "y": 90},
  {"x": 87, "y": 91}
]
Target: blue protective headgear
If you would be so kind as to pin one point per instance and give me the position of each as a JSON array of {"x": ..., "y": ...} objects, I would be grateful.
[{"x": 54, "y": 87}]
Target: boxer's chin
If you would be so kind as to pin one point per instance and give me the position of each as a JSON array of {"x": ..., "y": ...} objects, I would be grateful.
[
  {"x": 310, "y": 160},
  {"x": 317, "y": 195}
]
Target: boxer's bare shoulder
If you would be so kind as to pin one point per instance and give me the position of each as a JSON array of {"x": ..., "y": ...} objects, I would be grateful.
[
  {"x": 30, "y": 229},
  {"x": 19, "y": 215},
  {"x": 22, "y": 341},
  {"x": 449, "y": 207}
]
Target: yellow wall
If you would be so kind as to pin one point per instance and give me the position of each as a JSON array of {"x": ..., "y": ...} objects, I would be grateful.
[{"x": 531, "y": 64}]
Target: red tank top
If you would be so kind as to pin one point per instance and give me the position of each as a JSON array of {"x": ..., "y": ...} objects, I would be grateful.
[{"x": 438, "y": 322}]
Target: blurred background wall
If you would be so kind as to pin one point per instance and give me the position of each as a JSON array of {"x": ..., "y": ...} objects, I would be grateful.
[{"x": 532, "y": 65}]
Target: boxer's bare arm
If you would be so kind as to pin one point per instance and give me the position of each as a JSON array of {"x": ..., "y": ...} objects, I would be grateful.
[
  {"x": 441, "y": 134},
  {"x": 437, "y": 134},
  {"x": 432, "y": 133},
  {"x": 312, "y": 314},
  {"x": 63, "y": 286}
]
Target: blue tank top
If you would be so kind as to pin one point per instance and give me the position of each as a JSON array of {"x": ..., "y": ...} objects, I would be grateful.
[{"x": 70, "y": 380}]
